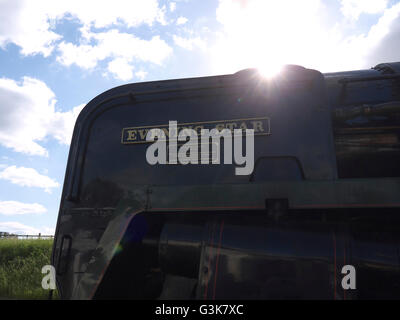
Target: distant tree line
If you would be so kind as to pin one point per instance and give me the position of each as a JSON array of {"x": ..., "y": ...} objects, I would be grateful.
[{"x": 6, "y": 234}]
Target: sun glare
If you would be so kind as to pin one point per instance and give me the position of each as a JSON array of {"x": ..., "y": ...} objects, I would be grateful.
[
  {"x": 266, "y": 35},
  {"x": 270, "y": 71}
]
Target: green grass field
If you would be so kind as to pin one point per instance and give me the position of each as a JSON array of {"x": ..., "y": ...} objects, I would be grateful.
[{"x": 21, "y": 262}]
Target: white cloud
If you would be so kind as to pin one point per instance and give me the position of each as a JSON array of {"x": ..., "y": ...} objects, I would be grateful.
[
  {"x": 385, "y": 36},
  {"x": 26, "y": 23},
  {"x": 13, "y": 208},
  {"x": 264, "y": 34},
  {"x": 123, "y": 48},
  {"x": 30, "y": 24},
  {"x": 84, "y": 56},
  {"x": 161, "y": 16},
  {"x": 104, "y": 13},
  {"x": 172, "y": 6},
  {"x": 61, "y": 124},
  {"x": 141, "y": 74},
  {"x": 190, "y": 43},
  {"x": 17, "y": 228},
  {"x": 354, "y": 8},
  {"x": 48, "y": 231},
  {"x": 21, "y": 229},
  {"x": 380, "y": 44},
  {"x": 181, "y": 20},
  {"x": 28, "y": 177},
  {"x": 28, "y": 116},
  {"x": 121, "y": 69}
]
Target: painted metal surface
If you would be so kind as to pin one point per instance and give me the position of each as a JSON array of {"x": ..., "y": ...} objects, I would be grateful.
[{"x": 323, "y": 152}]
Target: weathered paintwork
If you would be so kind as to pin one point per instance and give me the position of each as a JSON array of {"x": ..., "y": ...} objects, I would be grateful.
[{"x": 308, "y": 160}]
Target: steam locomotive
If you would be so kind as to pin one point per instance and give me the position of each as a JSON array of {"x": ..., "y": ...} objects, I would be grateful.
[{"x": 318, "y": 217}]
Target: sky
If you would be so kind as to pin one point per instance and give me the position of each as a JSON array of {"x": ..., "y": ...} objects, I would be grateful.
[{"x": 57, "y": 55}]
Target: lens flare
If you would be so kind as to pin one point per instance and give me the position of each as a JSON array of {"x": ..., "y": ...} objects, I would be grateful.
[{"x": 270, "y": 71}]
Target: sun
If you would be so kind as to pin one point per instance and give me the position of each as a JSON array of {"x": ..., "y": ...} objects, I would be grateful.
[
  {"x": 267, "y": 35},
  {"x": 270, "y": 70}
]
